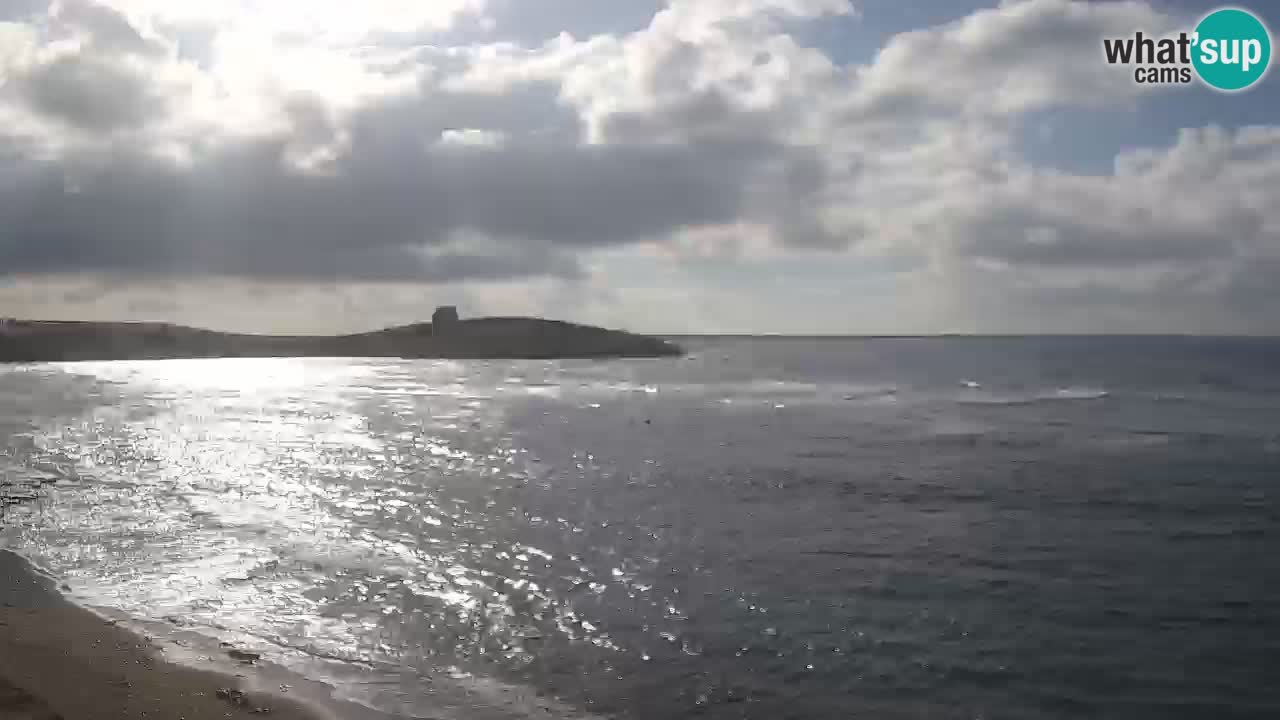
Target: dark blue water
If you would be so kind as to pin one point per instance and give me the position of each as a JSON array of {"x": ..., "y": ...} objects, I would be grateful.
[{"x": 770, "y": 528}]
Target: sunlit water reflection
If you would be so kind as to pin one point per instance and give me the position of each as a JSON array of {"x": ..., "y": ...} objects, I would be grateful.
[{"x": 331, "y": 507}]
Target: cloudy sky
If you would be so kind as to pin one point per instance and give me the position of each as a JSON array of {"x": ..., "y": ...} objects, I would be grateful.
[{"x": 805, "y": 166}]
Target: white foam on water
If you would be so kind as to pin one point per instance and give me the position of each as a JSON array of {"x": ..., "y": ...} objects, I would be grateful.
[{"x": 980, "y": 396}]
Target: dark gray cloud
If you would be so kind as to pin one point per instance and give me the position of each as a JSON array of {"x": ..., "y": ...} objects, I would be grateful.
[
  {"x": 372, "y": 193},
  {"x": 531, "y": 109},
  {"x": 94, "y": 85},
  {"x": 90, "y": 94},
  {"x": 108, "y": 31},
  {"x": 704, "y": 114},
  {"x": 1254, "y": 286},
  {"x": 393, "y": 206}
]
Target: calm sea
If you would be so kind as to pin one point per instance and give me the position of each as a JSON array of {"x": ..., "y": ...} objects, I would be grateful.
[{"x": 769, "y": 528}]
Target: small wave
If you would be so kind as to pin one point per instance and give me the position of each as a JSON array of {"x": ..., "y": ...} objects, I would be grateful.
[
  {"x": 1071, "y": 394},
  {"x": 1077, "y": 394},
  {"x": 779, "y": 395},
  {"x": 868, "y": 392},
  {"x": 776, "y": 387},
  {"x": 543, "y": 390},
  {"x": 1137, "y": 439}
]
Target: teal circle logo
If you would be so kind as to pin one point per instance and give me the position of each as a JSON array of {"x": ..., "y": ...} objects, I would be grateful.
[{"x": 1232, "y": 49}]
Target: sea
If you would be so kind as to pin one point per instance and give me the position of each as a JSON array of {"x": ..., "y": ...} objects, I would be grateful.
[{"x": 942, "y": 527}]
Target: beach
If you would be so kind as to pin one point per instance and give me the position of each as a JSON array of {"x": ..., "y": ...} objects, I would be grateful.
[{"x": 58, "y": 660}]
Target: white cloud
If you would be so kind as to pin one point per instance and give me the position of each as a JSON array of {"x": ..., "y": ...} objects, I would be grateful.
[
  {"x": 1011, "y": 59},
  {"x": 324, "y": 22}
]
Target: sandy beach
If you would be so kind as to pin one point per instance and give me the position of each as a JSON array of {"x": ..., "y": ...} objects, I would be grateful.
[{"x": 58, "y": 660}]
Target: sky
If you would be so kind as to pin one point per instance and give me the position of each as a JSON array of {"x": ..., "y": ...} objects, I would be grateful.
[{"x": 666, "y": 166}]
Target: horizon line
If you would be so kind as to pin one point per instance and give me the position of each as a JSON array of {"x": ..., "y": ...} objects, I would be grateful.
[
  {"x": 713, "y": 334},
  {"x": 918, "y": 336}
]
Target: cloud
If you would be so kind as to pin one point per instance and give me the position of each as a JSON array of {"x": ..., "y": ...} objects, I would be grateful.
[
  {"x": 1007, "y": 60},
  {"x": 1207, "y": 201},
  {"x": 362, "y": 190},
  {"x": 326, "y": 22},
  {"x": 444, "y": 146},
  {"x": 369, "y": 211},
  {"x": 1180, "y": 239},
  {"x": 89, "y": 95},
  {"x": 530, "y": 24}
]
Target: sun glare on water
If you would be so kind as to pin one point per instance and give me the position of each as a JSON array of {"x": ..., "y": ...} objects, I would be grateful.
[{"x": 247, "y": 376}]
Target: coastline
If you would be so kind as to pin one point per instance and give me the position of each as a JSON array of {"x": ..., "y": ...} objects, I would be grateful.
[
  {"x": 62, "y": 661},
  {"x": 24, "y": 341}
]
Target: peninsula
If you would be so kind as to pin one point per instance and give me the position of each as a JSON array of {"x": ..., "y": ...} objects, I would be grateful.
[{"x": 446, "y": 336}]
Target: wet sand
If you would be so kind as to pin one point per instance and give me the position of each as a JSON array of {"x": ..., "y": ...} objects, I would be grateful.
[{"x": 58, "y": 660}]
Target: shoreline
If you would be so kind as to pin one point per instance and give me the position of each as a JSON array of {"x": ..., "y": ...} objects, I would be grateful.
[
  {"x": 61, "y": 661},
  {"x": 24, "y": 341}
]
